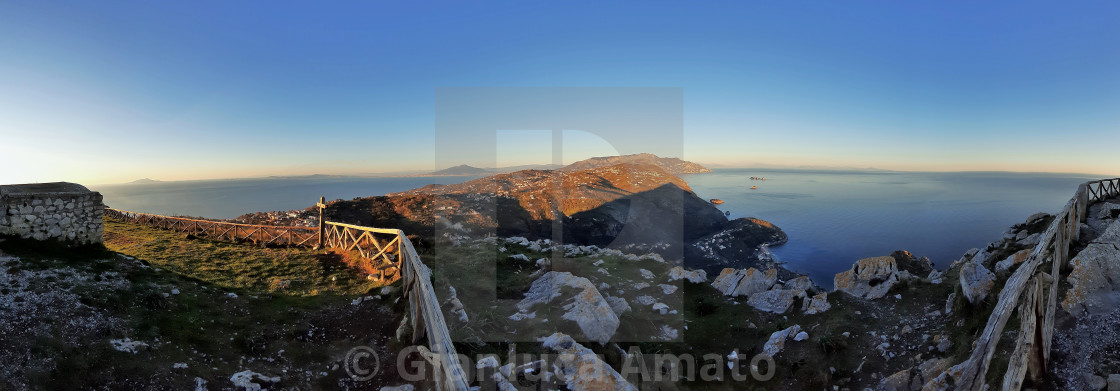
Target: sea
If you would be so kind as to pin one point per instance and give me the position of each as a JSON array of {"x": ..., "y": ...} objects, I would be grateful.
[
  {"x": 835, "y": 218},
  {"x": 832, "y": 218},
  {"x": 230, "y": 198}
]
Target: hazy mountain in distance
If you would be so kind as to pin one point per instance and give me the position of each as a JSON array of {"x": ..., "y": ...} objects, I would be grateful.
[
  {"x": 673, "y": 165},
  {"x": 143, "y": 180},
  {"x": 462, "y": 169}
]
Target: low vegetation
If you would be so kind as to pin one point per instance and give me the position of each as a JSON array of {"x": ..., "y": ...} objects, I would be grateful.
[{"x": 154, "y": 309}]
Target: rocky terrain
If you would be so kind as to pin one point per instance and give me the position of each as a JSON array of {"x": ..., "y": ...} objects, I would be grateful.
[
  {"x": 1087, "y": 335},
  {"x": 893, "y": 322}
]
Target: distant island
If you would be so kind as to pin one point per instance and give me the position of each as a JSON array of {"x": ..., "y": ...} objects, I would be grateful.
[
  {"x": 673, "y": 165},
  {"x": 144, "y": 180},
  {"x": 462, "y": 169}
]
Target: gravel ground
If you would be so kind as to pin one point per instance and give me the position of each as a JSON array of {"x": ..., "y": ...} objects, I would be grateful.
[{"x": 1090, "y": 347}]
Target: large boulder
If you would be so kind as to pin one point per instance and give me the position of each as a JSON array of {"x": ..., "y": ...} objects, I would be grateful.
[
  {"x": 869, "y": 278},
  {"x": 693, "y": 276},
  {"x": 817, "y": 304},
  {"x": 1095, "y": 279},
  {"x": 777, "y": 301},
  {"x": 908, "y": 264},
  {"x": 976, "y": 281},
  {"x": 583, "y": 303},
  {"x": 739, "y": 282},
  {"x": 1013, "y": 259},
  {"x": 803, "y": 283},
  {"x": 581, "y": 369}
]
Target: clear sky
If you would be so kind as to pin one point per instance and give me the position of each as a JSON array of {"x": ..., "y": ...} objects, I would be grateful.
[{"x": 102, "y": 92}]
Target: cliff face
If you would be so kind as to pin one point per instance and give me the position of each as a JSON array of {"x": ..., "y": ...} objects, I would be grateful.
[{"x": 672, "y": 165}]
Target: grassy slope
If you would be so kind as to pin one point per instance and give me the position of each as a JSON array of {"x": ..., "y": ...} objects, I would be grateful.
[{"x": 296, "y": 330}]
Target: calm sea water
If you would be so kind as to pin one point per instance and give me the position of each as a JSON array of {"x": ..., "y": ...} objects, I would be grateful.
[
  {"x": 834, "y": 218},
  {"x": 226, "y": 199}
]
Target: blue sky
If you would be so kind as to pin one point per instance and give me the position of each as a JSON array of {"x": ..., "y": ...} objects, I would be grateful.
[{"x": 113, "y": 91}]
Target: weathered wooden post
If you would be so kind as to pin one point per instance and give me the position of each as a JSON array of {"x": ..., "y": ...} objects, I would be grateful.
[
  {"x": 1083, "y": 201},
  {"x": 322, "y": 233}
]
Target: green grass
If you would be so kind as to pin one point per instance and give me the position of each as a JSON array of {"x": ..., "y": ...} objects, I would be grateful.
[
  {"x": 240, "y": 267},
  {"x": 310, "y": 319}
]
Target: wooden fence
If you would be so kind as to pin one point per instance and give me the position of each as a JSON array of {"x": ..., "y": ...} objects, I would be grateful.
[
  {"x": 387, "y": 250},
  {"x": 1033, "y": 290},
  {"x": 220, "y": 230}
]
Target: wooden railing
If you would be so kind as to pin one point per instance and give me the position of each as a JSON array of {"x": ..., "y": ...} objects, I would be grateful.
[
  {"x": 1034, "y": 291},
  {"x": 392, "y": 252},
  {"x": 220, "y": 230},
  {"x": 388, "y": 250},
  {"x": 380, "y": 247}
]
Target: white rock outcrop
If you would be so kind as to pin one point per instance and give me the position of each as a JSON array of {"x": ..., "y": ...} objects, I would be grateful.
[
  {"x": 584, "y": 305},
  {"x": 869, "y": 278},
  {"x": 693, "y": 276},
  {"x": 777, "y": 300},
  {"x": 777, "y": 340},
  {"x": 1095, "y": 279},
  {"x": 1013, "y": 259},
  {"x": 739, "y": 282},
  {"x": 245, "y": 380},
  {"x": 976, "y": 281},
  {"x": 817, "y": 304},
  {"x": 581, "y": 369}
]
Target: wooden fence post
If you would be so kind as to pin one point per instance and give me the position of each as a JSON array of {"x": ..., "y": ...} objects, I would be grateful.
[{"x": 322, "y": 205}]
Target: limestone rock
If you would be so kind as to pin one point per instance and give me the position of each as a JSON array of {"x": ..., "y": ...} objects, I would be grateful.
[
  {"x": 1096, "y": 383},
  {"x": 1031, "y": 240},
  {"x": 949, "y": 303},
  {"x": 1013, "y": 259},
  {"x": 618, "y": 304},
  {"x": 1114, "y": 382},
  {"x": 455, "y": 305},
  {"x": 912, "y": 265},
  {"x": 1095, "y": 279},
  {"x": 1037, "y": 217},
  {"x": 976, "y": 281},
  {"x": 693, "y": 276},
  {"x": 585, "y": 306},
  {"x": 739, "y": 282},
  {"x": 801, "y": 336},
  {"x": 929, "y": 369},
  {"x": 817, "y": 304},
  {"x": 899, "y": 381},
  {"x": 248, "y": 380},
  {"x": 802, "y": 283},
  {"x": 777, "y": 301},
  {"x": 869, "y": 278},
  {"x": 1108, "y": 210},
  {"x": 581, "y": 369},
  {"x": 777, "y": 340}
]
